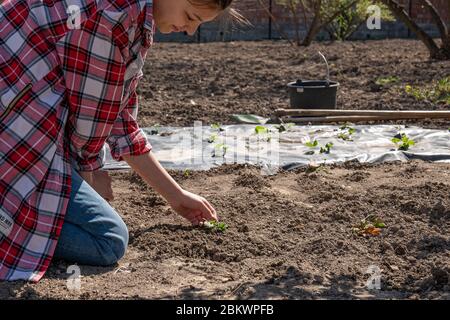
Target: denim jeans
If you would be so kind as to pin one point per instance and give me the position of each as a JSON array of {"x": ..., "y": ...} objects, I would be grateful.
[{"x": 93, "y": 233}]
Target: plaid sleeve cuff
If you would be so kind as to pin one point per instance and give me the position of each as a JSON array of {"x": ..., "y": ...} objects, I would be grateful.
[
  {"x": 89, "y": 164},
  {"x": 133, "y": 144}
]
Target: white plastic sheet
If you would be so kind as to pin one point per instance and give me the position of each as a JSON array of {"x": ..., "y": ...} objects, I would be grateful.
[{"x": 188, "y": 147}]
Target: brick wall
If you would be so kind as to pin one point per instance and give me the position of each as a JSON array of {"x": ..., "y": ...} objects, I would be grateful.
[{"x": 261, "y": 29}]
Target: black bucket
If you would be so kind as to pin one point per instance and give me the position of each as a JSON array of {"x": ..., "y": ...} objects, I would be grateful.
[{"x": 313, "y": 94}]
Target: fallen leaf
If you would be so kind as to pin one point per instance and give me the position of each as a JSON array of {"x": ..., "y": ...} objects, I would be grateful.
[{"x": 372, "y": 231}]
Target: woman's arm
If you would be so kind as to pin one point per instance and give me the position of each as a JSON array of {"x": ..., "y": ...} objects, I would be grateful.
[{"x": 191, "y": 206}]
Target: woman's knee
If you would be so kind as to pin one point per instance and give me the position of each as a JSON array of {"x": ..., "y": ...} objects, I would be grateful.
[{"x": 113, "y": 246}]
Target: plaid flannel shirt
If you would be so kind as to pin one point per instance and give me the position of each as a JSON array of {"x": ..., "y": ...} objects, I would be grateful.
[{"x": 68, "y": 76}]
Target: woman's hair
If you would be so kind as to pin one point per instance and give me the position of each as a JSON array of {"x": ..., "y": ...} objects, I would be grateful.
[{"x": 225, "y": 7}]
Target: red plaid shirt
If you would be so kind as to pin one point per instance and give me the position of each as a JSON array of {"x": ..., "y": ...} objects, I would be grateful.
[{"x": 68, "y": 78}]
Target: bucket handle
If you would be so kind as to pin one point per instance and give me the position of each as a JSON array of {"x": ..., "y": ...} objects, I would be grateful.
[{"x": 328, "y": 68}]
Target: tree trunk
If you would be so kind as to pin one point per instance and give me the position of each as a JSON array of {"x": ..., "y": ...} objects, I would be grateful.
[
  {"x": 400, "y": 13},
  {"x": 296, "y": 21},
  {"x": 442, "y": 26},
  {"x": 314, "y": 27},
  {"x": 317, "y": 23}
]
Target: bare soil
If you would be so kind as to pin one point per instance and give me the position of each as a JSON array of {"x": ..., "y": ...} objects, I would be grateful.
[{"x": 251, "y": 77}]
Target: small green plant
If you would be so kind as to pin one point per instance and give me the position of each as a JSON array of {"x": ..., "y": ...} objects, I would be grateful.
[
  {"x": 327, "y": 148},
  {"x": 217, "y": 126},
  {"x": 402, "y": 141},
  {"x": 312, "y": 144},
  {"x": 443, "y": 90},
  {"x": 344, "y": 136},
  {"x": 261, "y": 130},
  {"x": 349, "y": 128},
  {"x": 347, "y": 132},
  {"x": 220, "y": 150},
  {"x": 186, "y": 173},
  {"x": 370, "y": 225},
  {"x": 155, "y": 129},
  {"x": 382, "y": 81},
  {"x": 212, "y": 138},
  {"x": 316, "y": 168},
  {"x": 438, "y": 92},
  {"x": 216, "y": 225},
  {"x": 284, "y": 127}
]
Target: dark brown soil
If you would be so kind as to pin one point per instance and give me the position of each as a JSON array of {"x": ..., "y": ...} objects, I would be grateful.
[
  {"x": 290, "y": 235},
  {"x": 251, "y": 77}
]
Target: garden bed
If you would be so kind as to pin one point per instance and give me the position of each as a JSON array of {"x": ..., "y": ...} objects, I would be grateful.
[{"x": 290, "y": 235}]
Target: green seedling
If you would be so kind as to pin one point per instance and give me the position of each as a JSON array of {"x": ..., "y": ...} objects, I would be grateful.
[
  {"x": 327, "y": 148},
  {"x": 284, "y": 127},
  {"x": 155, "y": 129},
  {"x": 402, "y": 141},
  {"x": 350, "y": 130},
  {"x": 382, "y": 81},
  {"x": 346, "y": 135},
  {"x": 316, "y": 168},
  {"x": 216, "y": 225},
  {"x": 312, "y": 144},
  {"x": 220, "y": 149},
  {"x": 371, "y": 225},
  {"x": 212, "y": 138},
  {"x": 216, "y": 126},
  {"x": 186, "y": 173},
  {"x": 438, "y": 91},
  {"x": 261, "y": 130}
]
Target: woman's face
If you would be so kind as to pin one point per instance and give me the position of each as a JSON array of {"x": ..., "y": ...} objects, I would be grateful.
[{"x": 181, "y": 15}]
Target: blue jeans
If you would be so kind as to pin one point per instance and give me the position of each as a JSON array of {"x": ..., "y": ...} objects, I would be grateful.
[{"x": 93, "y": 233}]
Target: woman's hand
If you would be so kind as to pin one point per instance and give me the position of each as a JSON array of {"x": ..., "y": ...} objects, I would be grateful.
[{"x": 193, "y": 207}]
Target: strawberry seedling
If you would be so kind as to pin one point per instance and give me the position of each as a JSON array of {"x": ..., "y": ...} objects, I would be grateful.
[
  {"x": 220, "y": 150},
  {"x": 216, "y": 225},
  {"x": 346, "y": 136},
  {"x": 316, "y": 168},
  {"x": 155, "y": 129},
  {"x": 402, "y": 141},
  {"x": 284, "y": 127},
  {"x": 312, "y": 144},
  {"x": 261, "y": 130},
  {"x": 212, "y": 138},
  {"x": 216, "y": 126},
  {"x": 327, "y": 148}
]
